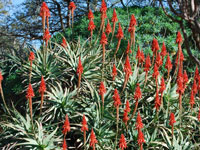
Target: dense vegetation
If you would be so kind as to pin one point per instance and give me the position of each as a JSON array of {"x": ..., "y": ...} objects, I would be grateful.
[{"x": 59, "y": 63}]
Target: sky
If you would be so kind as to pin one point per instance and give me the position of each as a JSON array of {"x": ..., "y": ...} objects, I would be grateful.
[{"x": 17, "y": 2}]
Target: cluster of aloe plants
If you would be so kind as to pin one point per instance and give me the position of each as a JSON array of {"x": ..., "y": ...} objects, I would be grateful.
[{"x": 84, "y": 95}]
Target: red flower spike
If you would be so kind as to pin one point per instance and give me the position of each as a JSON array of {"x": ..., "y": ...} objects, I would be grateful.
[
  {"x": 64, "y": 43},
  {"x": 158, "y": 60},
  {"x": 72, "y": 6},
  {"x": 199, "y": 114},
  {"x": 102, "y": 89},
  {"x": 196, "y": 74},
  {"x": 172, "y": 119},
  {"x": 64, "y": 144},
  {"x": 104, "y": 40},
  {"x": 138, "y": 54},
  {"x": 127, "y": 109},
  {"x": 128, "y": 48},
  {"x": 80, "y": 67},
  {"x": 66, "y": 126},
  {"x": 156, "y": 72},
  {"x": 180, "y": 89},
  {"x": 185, "y": 77},
  {"x": 164, "y": 51},
  {"x": 103, "y": 8},
  {"x": 84, "y": 127},
  {"x": 120, "y": 33},
  {"x": 91, "y": 25},
  {"x": 181, "y": 55},
  {"x": 140, "y": 138},
  {"x": 46, "y": 36},
  {"x": 157, "y": 101},
  {"x": 114, "y": 17},
  {"x": 93, "y": 139},
  {"x": 42, "y": 88},
  {"x": 147, "y": 64},
  {"x": 132, "y": 24},
  {"x": 162, "y": 85},
  {"x": 30, "y": 93},
  {"x": 179, "y": 38},
  {"x": 31, "y": 56},
  {"x": 114, "y": 72},
  {"x": 192, "y": 100},
  {"x": 116, "y": 98},
  {"x": 168, "y": 64},
  {"x": 44, "y": 10},
  {"x": 127, "y": 67},
  {"x": 90, "y": 15},
  {"x": 122, "y": 142},
  {"x": 138, "y": 93},
  {"x": 108, "y": 28},
  {"x": 142, "y": 58},
  {"x": 125, "y": 117},
  {"x": 194, "y": 87},
  {"x": 139, "y": 124},
  {"x": 155, "y": 46}
]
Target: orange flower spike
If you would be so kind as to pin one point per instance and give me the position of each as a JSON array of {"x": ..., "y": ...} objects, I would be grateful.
[
  {"x": 108, "y": 28},
  {"x": 44, "y": 13},
  {"x": 155, "y": 74},
  {"x": 168, "y": 64},
  {"x": 64, "y": 43},
  {"x": 196, "y": 74},
  {"x": 64, "y": 145},
  {"x": 140, "y": 139},
  {"x": 157, "y": 101},
  {"x": 122, "y": 142},
  {"x": 79, "y": 71},
  {"x": 116, "y": 98},
  {"x": 29, "y": 95},
  {"x": 90, "y": 15},
  {"x": 131, "y": 29},
  {"x": 164, "y": 51},
  {"x": 127, "y": 109},
  {"x": 137, "y": 96},
  {"x": 179, "y": 38},
  {"x": 162, "y": 85},
  {"x": 194, "y": 87},
  {"x": 158, "y": 60},
  {"x": 154, "y": 47},
  {"x": 93, "y": 139},
  {"x": 42, "y": 89},
  {"x": 102, "y": 91},
  {"x": 172, "y": 119},
  {"x": 192, "y": 100},
  {"x": 127, "y": 70},
  {"x": 185, "y": 78},
  {"x": 104, "y": 42},
  {"x": 103, "y": 8},
  {"x": 84, "y": 128},
  {"x": 114, "y": 21},
  {"x": 139, "y": 124},
  {"x": 66, "y": 126},
  {"x": 114, "y": 72},
  {"x": 138, "y": 93},
  {"x": 31, "y": 58},
  {"x": 125, "y": 117},
  {"x": 91, "y": 27},
  {"x": 46, "y": 36},
  {"x": 72, "y": 7},
  {"x": 119, "y": 36},
  {"x": 142, "y": 58}
]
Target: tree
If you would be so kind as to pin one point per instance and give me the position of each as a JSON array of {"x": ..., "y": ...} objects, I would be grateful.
[{"x": 187, "y": 14}]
